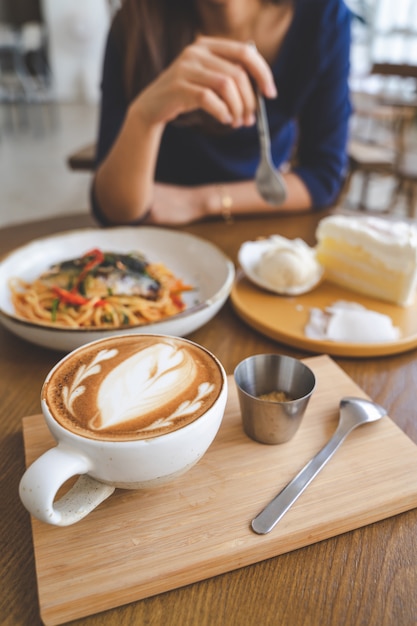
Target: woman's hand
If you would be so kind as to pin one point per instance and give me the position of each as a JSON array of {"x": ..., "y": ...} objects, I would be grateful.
[
  {"x": 211, "y": 74},
  {"x": 173, "y": 205}
]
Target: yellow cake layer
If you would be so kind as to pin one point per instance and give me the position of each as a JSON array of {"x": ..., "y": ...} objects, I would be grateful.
[{"x": 354, "y": 268}]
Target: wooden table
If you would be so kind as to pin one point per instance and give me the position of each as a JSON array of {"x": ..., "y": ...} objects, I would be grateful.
[{"x": 367, "y": 576}]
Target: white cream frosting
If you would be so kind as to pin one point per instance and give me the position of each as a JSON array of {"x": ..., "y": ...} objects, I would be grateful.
[
  {"x": 350, "y": 322},
  {"x": 287, "y": 263},
  {"x": 393, "y": 242}
]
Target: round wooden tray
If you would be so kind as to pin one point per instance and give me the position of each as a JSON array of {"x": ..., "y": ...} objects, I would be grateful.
[{"x": 284, "y": 318}]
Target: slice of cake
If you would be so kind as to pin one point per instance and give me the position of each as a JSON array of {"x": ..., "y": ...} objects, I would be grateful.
[{"x": 370, "y": 255}]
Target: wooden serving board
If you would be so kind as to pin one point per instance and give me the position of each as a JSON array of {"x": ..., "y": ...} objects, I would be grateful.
[{"x": 138, "y": 544}]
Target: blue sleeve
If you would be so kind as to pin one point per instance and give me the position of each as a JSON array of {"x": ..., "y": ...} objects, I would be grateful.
[{"x": 324, "y": 119}]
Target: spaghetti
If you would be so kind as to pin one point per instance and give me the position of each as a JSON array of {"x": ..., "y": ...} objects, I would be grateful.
[{"x": 100, "y": 290}]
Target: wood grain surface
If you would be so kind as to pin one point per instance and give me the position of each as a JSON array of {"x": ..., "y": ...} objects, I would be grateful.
[{"x": 139, "y": 544}]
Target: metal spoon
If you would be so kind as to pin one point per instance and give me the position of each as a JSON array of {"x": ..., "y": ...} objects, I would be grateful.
[
  {"x": 269, "y": 182},
  {"x": 353, "y": 412}
]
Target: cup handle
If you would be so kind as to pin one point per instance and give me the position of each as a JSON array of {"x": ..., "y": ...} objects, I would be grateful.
[{"x": 42, "y": 480}]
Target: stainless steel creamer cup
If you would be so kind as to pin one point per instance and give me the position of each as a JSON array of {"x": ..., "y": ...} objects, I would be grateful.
[{"x": 272, "y": 421}]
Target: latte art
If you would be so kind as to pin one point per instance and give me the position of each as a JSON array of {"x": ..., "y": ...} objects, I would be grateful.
[
  {"x": 134, "y": 389},
  {"x": 125, "y": 389},
  {"x": 76, "y": 388}
]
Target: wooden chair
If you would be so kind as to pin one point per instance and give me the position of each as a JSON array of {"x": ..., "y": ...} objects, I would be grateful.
[
  {"x": 407, "y": 181},
  {"x": 404, "y": 70},
  {"x": 82, "y": 159},
  {"x": 377, "y": 145}
]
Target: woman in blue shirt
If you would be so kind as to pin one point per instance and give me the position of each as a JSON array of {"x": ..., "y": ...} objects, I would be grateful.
[{"x": 177, "y": 138}]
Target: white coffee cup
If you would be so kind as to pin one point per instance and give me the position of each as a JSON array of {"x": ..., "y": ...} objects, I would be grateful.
[{"x": 132, "y": 412}]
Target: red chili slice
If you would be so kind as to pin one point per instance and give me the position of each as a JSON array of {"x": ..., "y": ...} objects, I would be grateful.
[
  {"x": 98, "y": 257},
  {"x": 69, "y": 297},
  {"x": 76, "y": 299}
]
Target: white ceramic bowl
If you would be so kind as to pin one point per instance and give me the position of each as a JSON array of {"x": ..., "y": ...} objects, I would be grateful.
[{"x": 197, "y": 261}]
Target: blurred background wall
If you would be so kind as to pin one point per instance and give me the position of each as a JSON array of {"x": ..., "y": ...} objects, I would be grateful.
[
  {"x": 69, "y": 34},
  {"x": 77, "y": 33}
]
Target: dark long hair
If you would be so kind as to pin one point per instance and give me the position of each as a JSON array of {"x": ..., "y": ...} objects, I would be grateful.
[{"x": 151, "y": 33}]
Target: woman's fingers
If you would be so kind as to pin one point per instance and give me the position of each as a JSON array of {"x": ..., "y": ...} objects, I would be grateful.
[
  {"x": 245, "y": 55},
  {"x": 209, "y": 101},
  {"x": 212, "y": 74},
  {"x": 230, "y": 84},
  {"x": 221, "y": 65}
]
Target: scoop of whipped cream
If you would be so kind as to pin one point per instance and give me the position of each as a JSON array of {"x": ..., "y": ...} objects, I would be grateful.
[
  {"x": 285, "y": 266},
  {"x": 350, "y": 322}
]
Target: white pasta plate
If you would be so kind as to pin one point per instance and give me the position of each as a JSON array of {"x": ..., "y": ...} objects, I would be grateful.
[{"x": 196, "y": 261}]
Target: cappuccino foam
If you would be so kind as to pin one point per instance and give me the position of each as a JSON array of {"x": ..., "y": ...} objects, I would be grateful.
[{"x": 132, "y": 387}]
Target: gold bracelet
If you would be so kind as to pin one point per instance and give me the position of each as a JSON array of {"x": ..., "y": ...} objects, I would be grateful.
[{"x": 226, "y": 203}]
